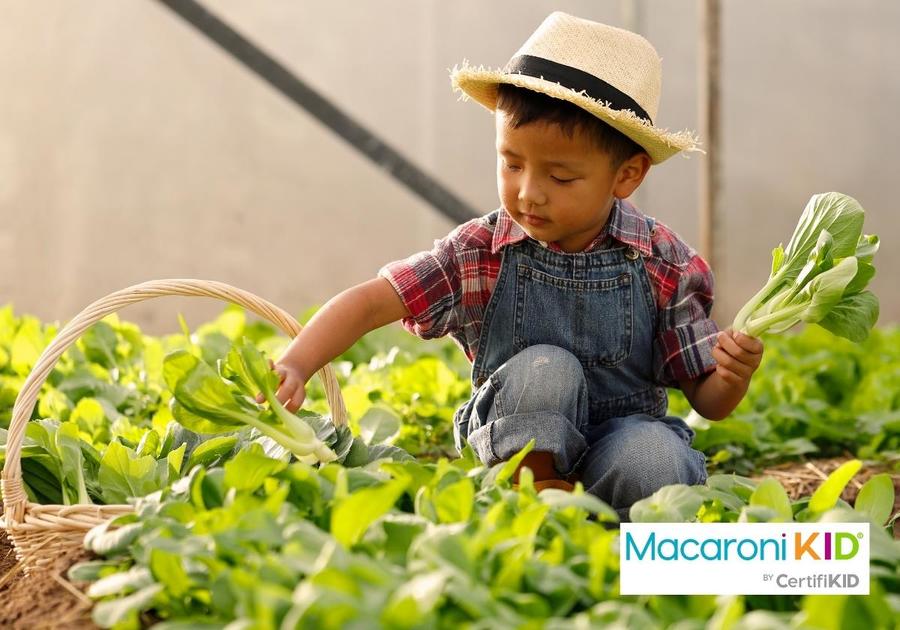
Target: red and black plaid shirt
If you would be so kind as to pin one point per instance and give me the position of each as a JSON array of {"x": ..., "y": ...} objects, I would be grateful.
[{"x": 447, "y": 289}]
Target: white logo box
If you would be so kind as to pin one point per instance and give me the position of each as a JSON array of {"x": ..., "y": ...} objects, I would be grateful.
[{"x": 744, "y": 558}]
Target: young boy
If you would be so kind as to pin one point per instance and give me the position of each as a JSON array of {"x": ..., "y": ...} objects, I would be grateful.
[{"x": 575, "y": 309}]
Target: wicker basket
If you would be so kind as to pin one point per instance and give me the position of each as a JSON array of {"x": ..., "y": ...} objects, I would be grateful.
[{"x": 41, "y": 533}]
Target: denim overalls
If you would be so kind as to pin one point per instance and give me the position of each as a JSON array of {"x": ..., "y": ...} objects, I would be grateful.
[{"x": 566, "y": 358}]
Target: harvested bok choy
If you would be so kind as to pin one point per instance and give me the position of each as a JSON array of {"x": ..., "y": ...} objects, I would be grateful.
[
  {"x": 207, "y": 402},
  {"x": 821, "y": 276}
]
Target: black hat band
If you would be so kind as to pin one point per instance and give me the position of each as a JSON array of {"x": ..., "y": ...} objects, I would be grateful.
[{"x": 577, "y": 80}]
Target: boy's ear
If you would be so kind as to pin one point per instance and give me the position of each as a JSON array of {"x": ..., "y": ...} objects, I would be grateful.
[{"x": 630, "y": 175}]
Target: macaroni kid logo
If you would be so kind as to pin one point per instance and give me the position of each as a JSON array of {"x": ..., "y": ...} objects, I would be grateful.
[{"x": 744, "y": 558}]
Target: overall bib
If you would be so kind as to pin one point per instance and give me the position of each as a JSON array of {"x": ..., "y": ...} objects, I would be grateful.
[{"x": 548, "y": 307}]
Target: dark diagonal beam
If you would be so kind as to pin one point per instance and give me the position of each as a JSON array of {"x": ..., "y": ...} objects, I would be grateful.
[{"x": 360, "y": 138}]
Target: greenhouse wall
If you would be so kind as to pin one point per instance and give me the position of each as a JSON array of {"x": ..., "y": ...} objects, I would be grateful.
[{"x": 132, "y": 148}]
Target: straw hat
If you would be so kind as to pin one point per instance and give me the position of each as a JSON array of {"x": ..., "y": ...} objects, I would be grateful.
[{"x": 612, "y": 73}]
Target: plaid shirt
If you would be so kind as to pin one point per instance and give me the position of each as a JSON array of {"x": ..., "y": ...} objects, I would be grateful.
[{"x": 447, "y": 289}]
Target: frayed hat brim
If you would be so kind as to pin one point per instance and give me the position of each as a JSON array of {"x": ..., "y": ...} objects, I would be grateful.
[{"x": 481, "y": 84}]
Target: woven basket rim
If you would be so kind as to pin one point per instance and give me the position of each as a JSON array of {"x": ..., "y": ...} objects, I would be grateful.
[{"x": 26, "y": 521}]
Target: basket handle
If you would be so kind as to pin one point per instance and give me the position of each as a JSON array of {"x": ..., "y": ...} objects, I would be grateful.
[{"x": 14, "y": 497}]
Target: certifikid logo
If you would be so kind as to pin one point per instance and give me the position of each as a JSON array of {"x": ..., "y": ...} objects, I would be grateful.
[{"x": 744, "y": 558}]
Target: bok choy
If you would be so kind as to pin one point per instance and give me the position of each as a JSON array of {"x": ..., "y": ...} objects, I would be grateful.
[
  {"x": 210, "y": 402},
  {"x": 821, "y": 276}
]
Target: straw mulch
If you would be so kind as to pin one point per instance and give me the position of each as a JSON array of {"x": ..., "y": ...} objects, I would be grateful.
[{"x": 802, "y": 478}]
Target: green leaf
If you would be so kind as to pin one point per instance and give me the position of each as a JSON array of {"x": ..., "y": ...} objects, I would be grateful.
[
  {"x": 820, "y": 260},
  {"x": 866, "y": 248},
  {"x": 250, "y": 468},
  {"x": 400, "y": 530},
  {"x": 211, "y": 451},
  {"x": 175, "y": 459},
  {"x": 416, "y": 474},
  {"x": 759, "y": 514},
  {"x": 620, "y": 614},
  {"x": 41, "y": 474},
  {"x": 167, "y": 569},
  {"x": 230, "y": 323},
  {"x": 409, "y": 605},
  {"x": 876, "y": 499},
  {"x": 149, "y": 444},
  {"x": 865, "y": 271},
  {"x": 827, "y": 289},
  {"x": 729, "y": 610},
  {"x": 509, "y": 467},
  {"x": 236, "y": 371},
  {"x": 55, "y": 404},
  {"x": 825, "y": 497},
  {"x": 108, "y": 613},
  {"x": 124, "y": 475},
  {"x": 90, "y": 571},
  {"x": 8, "y": 325},
  {"x": 89, "y": 416},
  {"x": 824, "y": 612},
  {"x": 379, "y": 425},
  {"x": 454, "y": 502},
  {"x": 198, "y": 423},
  {"x": 256, "y": 369},
  {"x": 99, "y": 343},
  {"x": 387, "y": 451},
  {"x": 358, "y": 455},
  {"x": 131, "y": 580},
  {"x": 109, "y": 538},
  {"x": 676, "y": 503},
  {"x": 352, "y": 516},
  {"x": 208, "y": 489},
  {"x": 839, "y": 214},
  {"x": 204, "y": 401},
  {"x": 853, "y": 317},
  {"x": 771, "y": 494},
  {"x": 27, "y": 346},
  {"x": 561, "y": 499},
  {"x": 777, "y": 259},
  {"x": 68, "y": 449}
]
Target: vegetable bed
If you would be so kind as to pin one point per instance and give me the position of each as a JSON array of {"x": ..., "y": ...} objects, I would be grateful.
[{"x": 389, "y": 527}]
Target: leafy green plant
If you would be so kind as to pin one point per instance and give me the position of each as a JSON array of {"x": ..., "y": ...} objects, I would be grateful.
[
  {"x": 821, "y": 276},
  {"x": 61, "y": 465},
  {"x": 269, "y": 544},
  {"x": 815, "y": 395},
  {"x": 208, "y": 403}
]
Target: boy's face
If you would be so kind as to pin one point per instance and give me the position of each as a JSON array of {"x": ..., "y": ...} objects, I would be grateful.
[{"x": 559, "y": 189}]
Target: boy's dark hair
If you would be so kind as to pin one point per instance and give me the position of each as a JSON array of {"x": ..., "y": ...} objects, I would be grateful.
[{"x": 524, "y": 106}]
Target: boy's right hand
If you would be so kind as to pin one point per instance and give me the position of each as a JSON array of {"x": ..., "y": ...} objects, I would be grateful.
[{"x": 291, "y": 391}]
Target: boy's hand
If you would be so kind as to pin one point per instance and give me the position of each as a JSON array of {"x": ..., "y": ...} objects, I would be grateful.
[
  {"x": 292, "y": 387},
  {"x": 738, "y": 355}
]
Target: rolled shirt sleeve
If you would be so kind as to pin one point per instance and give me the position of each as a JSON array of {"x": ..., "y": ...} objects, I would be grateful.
[
  {"x": 686, "y": 335},
  {"x": 430, "y": 287}
]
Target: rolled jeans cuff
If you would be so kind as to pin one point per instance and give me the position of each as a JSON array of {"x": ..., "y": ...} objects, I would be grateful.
[{"x": 499, "y": 440}]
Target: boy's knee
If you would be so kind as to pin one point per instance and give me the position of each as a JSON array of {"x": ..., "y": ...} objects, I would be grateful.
[
  {"x": 545, "y": 360},
  {"x": 645, "y": 457},
  {"x": 543, "y": 378},
  {"x": 656, "y": 456}
]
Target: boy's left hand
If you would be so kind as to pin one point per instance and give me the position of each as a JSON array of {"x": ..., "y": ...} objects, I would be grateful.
[{"x": 738, "y": 355}]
